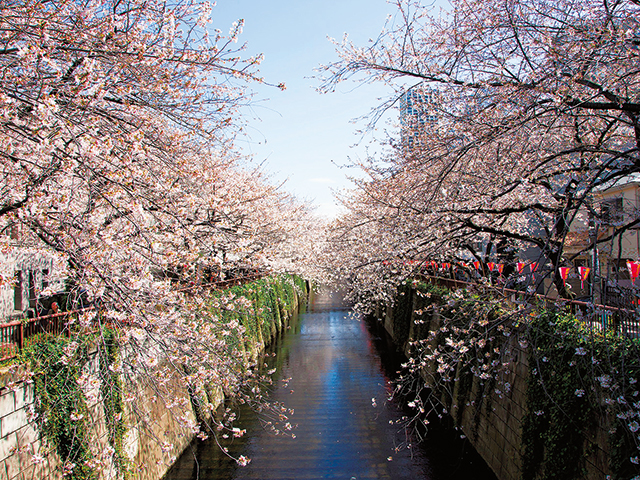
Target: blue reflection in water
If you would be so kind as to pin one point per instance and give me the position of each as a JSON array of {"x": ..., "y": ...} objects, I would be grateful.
[{"x": 335, "y": 373}]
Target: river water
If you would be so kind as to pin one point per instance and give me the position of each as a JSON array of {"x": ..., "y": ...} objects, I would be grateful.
[{"x": 333, "y": 369}]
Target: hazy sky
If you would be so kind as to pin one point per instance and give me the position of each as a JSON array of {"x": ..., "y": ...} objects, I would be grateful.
[{"x": 300, "y": 132}]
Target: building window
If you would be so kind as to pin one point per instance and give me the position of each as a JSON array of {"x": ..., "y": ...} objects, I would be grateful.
[
  {"x": 32, "y": 289},
  {"x": 45, "y": 278},
  {"x": 17, "y": 291},
  {"x": 611, "y": 211}
]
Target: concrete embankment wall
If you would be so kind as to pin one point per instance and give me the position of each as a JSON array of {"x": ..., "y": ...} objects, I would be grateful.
[
  {"x": 153, "y": 434},
  {"x": 491, "y": 422},
  {"x": 490, "y": 416},
  {"x": 25, "y": 454}
]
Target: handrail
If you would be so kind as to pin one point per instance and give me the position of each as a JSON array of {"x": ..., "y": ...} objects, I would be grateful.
[
  {"x": 631, "y": 325},
  {"x": 13, "y": 334},
  {"x": 538, "y": 295}
]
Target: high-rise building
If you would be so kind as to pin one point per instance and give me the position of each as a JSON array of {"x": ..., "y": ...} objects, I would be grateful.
[{"x": 417, "y": 114}]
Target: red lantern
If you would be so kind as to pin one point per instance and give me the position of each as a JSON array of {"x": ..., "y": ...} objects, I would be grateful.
[
  {"x": 477, "y": 265},
  {"x": 491, "y": 266},
  {"x": 634, "y": 270},
  {"x": 499, "y": 267},
  {"x": 520, "y": 266},
  {"x": 584, "y": 274},
  {"x": 564, "y": 272}
]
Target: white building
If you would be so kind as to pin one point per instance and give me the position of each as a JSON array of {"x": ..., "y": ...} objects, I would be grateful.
[{"x": 25, "y": 272}]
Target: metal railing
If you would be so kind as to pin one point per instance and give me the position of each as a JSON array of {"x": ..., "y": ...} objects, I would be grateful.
[
  {"x": 15, "y": 334},
  {"x": 600, "y": 317}
]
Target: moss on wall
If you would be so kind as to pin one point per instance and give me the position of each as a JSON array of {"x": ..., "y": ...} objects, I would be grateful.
[
  {"x": 58, "y": 364},
  {"x": 578, "y": 409}
]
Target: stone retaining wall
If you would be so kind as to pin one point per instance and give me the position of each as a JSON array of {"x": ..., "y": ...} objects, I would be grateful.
[
  {"x": 490, "y": 417},
  {"x": 152, "y": 428},
  {"x": 25, "y": 455},
  {"x": 18, "y": 436}
]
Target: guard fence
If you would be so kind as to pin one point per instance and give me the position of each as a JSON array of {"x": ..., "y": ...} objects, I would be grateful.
[
  {"x": 597, "y": 317},
  {"x": 15, "y": 335}
]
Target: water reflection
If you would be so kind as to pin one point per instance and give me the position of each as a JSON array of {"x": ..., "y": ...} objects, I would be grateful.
[{"x": 345, "y": 425}]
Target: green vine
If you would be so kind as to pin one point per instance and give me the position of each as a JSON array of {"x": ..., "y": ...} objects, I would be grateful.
[
  {"x": 272, "y": 300},
  {"x": 60, "y": 403},
  {"x": 111, "y": 390},
  {"x": 583, "y": 381},
  {"x": 577, "y": 378},
  {"x": 58, "y": 364},
  {"x": 558, "y": 419}
]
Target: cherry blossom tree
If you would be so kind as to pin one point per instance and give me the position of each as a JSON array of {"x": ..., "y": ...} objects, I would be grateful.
[
  {"x": 117, "y": 129},
  {"x": 524, "y": 111},
  {"x": 533, "y": 105}
]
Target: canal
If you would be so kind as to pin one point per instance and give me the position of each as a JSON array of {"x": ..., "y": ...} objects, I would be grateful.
[{"x": 334, "y": 371}]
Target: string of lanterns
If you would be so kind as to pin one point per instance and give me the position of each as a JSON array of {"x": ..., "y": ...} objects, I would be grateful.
[{"x": 583, "y": 272}]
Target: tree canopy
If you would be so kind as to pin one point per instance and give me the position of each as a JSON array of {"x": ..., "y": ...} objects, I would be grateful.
[
  {"x": 118, "y": 127},
  {"x": 118, "y": 123},
  {"x": 533, "y": 106}
]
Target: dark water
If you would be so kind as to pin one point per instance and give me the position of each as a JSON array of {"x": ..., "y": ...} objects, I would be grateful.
[{"x": 346, "y": 428}]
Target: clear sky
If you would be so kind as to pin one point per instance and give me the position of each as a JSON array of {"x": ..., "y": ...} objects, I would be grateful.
[{"x": 301, "y": 134}]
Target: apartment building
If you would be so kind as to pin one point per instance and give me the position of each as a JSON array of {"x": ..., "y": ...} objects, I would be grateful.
[
  {"x": 617, "y": 208},
  {"x": 25, "y": 272}
]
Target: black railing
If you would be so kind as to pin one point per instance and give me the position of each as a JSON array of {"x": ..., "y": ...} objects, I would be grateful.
[
  {"x": 600, "y": 317},
  {"x": 14, "y": 334}
]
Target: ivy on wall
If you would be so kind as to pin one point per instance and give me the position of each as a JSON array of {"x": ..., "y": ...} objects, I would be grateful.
[
  {"x": 577, "y": 379},
  {"x": 269, "y": 299},
  {"x": 259, "y": 311},
  {"x": 111, "y": 392},
  {"x": 60, "y": 405},
  {"x": 559, "y": 421},
  {"x": 60, "y": 369},
  {"x": 582, "y": 378}
]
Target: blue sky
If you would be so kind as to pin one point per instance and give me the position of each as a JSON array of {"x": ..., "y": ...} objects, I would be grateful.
[{"x": 301, "y": 134}]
